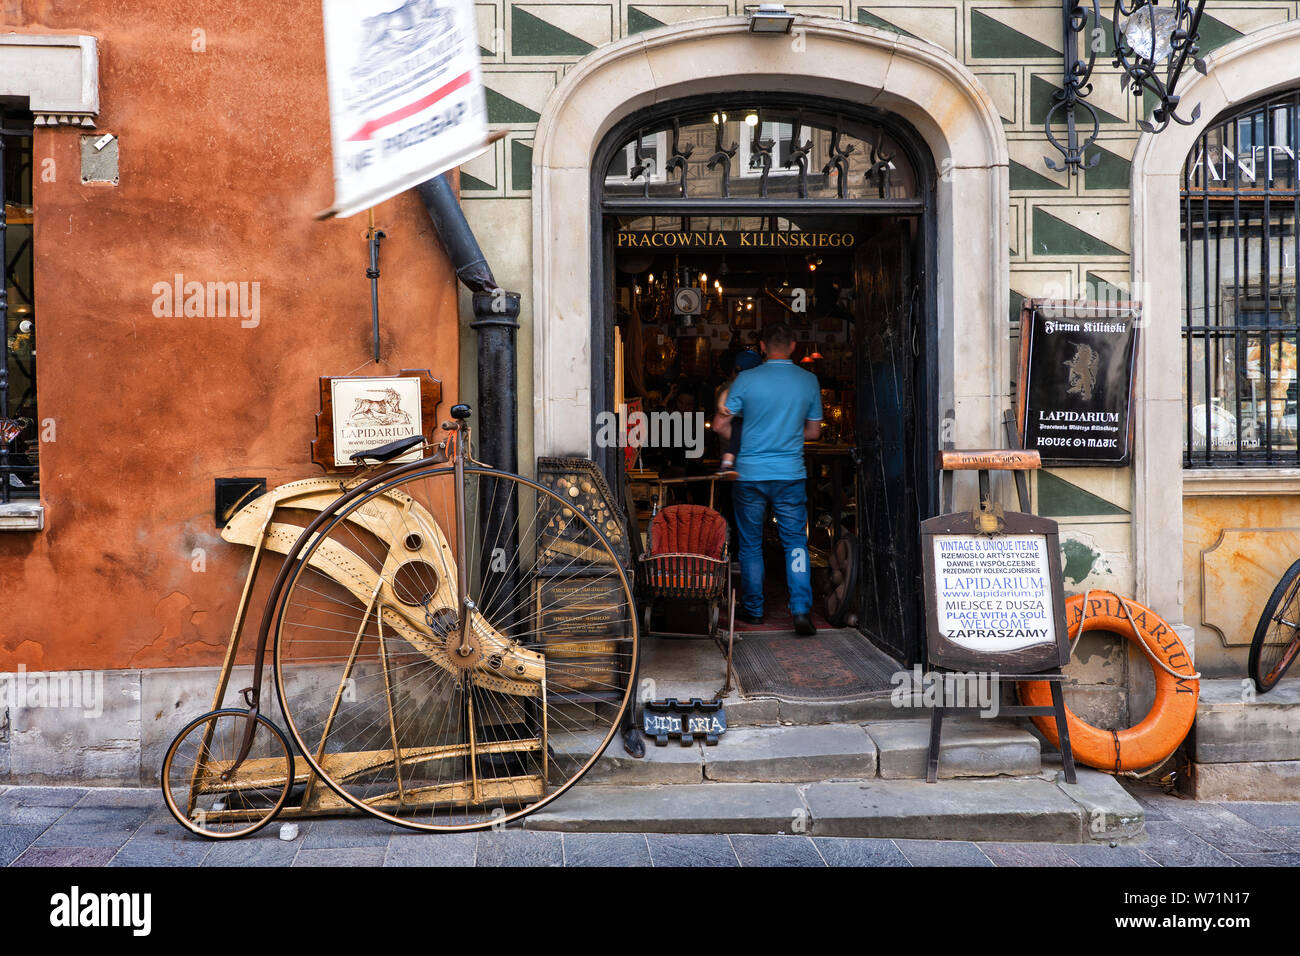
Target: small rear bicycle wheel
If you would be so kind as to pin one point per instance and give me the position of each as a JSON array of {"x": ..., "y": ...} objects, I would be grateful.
[
  {"x": 1277, "y": 635},
  {"x": 403, "y": 715},
  {"x": 202, "y": 795}
]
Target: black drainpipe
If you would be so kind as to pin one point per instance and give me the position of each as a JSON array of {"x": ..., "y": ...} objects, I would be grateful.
[{"x": 496, "y": 317}]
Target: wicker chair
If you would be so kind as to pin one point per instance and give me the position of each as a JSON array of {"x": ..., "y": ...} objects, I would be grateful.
[{"x": 688, "y": 562}]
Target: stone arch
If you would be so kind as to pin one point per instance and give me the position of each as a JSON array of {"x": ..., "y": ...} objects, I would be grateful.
[{"x": 915, "y": 80}]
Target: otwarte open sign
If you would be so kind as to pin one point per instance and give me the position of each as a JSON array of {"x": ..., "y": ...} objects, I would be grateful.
[
  {"x": 994, "y": 602},
  {"x": 406, "y": 95}
]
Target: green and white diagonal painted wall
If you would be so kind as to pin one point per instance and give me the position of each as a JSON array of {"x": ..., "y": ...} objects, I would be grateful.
[{"x": 1069, "y": 237}]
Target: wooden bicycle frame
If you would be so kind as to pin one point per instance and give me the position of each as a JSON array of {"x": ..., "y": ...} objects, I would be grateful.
[{"x": 321, "y": 799}]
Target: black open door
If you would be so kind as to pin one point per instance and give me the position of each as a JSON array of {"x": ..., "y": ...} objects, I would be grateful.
[{"x": 887, "y": 308}]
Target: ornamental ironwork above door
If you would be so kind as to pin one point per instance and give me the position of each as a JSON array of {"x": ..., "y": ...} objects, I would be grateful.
[{"x": 734, "y": 151}]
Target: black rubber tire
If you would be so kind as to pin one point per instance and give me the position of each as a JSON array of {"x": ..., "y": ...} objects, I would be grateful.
[
  {"x": 1264, "y": 666},
  {"x": 268, "y": 813}
]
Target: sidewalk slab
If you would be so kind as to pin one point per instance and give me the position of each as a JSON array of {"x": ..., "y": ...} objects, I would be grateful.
[
  {"x": 1001, "y": 811},
  {"x": 698, "y": 808}
]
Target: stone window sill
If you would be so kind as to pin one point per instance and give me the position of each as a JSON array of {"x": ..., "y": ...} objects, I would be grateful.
[
  {"x": 1215, "y": 482},
  {"x": 22, "y": 516}
]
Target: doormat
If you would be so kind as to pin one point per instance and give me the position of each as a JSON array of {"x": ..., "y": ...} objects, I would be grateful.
[{"x": 831, "y": 665}]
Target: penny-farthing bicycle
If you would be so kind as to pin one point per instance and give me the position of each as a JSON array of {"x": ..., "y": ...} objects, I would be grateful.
[{"x": 452, "y": 648}]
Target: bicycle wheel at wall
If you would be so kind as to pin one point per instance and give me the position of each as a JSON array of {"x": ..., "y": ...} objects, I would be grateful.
[
  {"x": 406, "y": 714},
  {"x": 1277, "y": 635},
  {"x": 204, "y": 795}
]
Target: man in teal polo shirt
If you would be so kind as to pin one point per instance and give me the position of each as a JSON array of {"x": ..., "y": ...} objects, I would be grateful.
[{"x": 782, "y": 408}]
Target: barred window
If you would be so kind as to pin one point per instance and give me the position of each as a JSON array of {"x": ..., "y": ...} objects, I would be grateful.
[
  {"x": 19, "y": 423},
  {"x": 1241, "y": 204}
]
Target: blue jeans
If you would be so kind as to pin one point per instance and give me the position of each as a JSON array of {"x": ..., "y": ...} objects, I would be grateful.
[{"x": 789, "y": 502}]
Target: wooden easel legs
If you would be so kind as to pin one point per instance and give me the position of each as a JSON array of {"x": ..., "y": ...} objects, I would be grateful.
[{"x": 1057, "y": 710}]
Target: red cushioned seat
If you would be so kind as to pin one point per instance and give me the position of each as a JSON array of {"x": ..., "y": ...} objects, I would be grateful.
[{"x": 689, "y": 529}]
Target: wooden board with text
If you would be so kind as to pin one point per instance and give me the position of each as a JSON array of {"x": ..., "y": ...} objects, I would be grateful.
[
  {"x": 1078, "y": 364},
  {"x": 375, "y": 410}
]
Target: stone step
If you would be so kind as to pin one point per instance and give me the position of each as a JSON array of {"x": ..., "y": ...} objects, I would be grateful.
[
  {"x": 968, "y": 747},
  {"x": 790, "y": 754},
  {"x": 757, "y": 711},
  {"x": 892, "y": 749},
  {"x": 1030, "y": 809},
  {"x": 1246, "y": 745},
  {"x": 1234, "y": 724}
]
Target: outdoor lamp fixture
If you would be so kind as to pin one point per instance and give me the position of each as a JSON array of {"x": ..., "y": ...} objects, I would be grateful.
[
  {"x": 1152, "y": 44},
  {"x": 769, "y": 18}
]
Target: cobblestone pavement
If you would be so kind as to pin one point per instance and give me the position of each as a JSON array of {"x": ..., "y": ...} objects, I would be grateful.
[{"x": 59, "y": 826}]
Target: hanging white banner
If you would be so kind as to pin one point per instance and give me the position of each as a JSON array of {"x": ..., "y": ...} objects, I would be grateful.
[{"x": 406, "y": 95}]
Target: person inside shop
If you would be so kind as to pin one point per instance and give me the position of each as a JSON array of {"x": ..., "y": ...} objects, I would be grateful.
[
  {"x": 782, "y": 408},
  {"x": 743, "y": 362}
]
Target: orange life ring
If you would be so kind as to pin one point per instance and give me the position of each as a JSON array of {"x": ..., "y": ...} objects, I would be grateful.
[{"x": 1164, "y": 728}]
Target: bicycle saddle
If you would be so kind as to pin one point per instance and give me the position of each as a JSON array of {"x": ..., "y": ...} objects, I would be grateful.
[{"x": 390, "y": 451}]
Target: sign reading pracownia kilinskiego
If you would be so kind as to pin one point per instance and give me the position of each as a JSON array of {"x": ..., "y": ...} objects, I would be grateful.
[{"x": 406, "y": 95}]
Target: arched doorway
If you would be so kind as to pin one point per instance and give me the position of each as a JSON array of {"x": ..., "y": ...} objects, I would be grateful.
[{"x": 813, "y": 213}]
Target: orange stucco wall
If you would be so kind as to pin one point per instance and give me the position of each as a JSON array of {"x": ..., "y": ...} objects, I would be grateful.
[{"x": 225, "y": 156}]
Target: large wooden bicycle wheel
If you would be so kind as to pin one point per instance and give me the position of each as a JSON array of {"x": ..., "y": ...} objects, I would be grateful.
[
  {"x": 407, "y": 714},
  {"x": 1277, "y": 635}
]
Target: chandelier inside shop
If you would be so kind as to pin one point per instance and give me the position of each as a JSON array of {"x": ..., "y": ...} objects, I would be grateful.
[{"x": 1152, "y": 43}]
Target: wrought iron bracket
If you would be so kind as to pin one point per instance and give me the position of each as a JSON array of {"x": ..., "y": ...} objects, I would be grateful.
[
  {"x": 799, "y": 152},
  {"x": 722, "y": 155},
  {"x": 679, "y": 157},
  {"x": 878, "y": 172},
  {"x": 1071, "y": 100},
  {"x": 838, "y": 160},
  {"x": 762, "y": 150}
]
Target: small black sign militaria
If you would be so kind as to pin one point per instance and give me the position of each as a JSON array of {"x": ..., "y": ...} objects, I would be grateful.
[{"x": 1077, "y": 367}]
